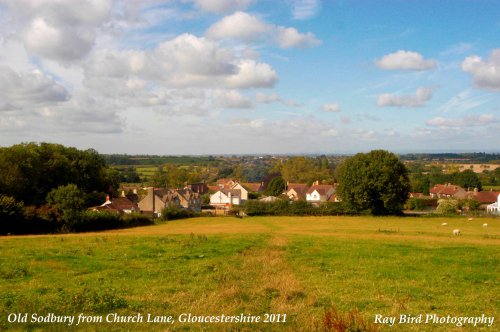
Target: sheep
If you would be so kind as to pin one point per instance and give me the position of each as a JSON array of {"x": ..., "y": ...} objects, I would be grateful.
[
  {"x": 444, "y": 224},
  {"x": 470, "y": 219},
  {"x": 485, "y": 225},
  {"x": 456, "y": 232}
]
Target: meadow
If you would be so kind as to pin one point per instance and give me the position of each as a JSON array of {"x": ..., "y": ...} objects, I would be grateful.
[{"x": 309, "y": 268}]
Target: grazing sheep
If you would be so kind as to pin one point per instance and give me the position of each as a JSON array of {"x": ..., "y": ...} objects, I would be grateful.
[
  {"x": 456, "y": 232},
  {"x": 470, "y": 219},
  {"x": 444, "y": 224},
  {"x": 485, "y": 225}
]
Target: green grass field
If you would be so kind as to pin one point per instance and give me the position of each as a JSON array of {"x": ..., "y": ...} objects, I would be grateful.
[{"x": 304, "y": 267}]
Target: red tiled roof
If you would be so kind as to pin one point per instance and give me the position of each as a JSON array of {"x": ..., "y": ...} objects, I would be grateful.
[
  {"x": 484, "y": 197},
  {"x": 253, "y": 186},
  {"x": 300, "y": 188},
  {"x": 122, "y": 203},
  {"x": 445, "y": 189}
]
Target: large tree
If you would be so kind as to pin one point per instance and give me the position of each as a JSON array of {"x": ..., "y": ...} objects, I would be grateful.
[
  {"x": 376, "y": 181},
  {"x": 30, "y": 171}
]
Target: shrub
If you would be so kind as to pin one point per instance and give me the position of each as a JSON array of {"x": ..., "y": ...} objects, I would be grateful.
[
  {"x": 447, "y": 206},
  {"x": 172, "y": 212},
  {"x": 96, "y": 221},
  {"x": 419, "y": 204},
  {"x": 136, "y": 219}
]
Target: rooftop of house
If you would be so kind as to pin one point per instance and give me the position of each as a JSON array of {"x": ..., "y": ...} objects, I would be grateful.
[
  {"x": 445, "y": 189},
  {"x": 322, "y": 189}
]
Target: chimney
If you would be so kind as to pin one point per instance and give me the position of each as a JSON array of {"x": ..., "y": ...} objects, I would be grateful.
[
  {"x": 123, "y": 193},
  {"x": 151, "y": 191}
]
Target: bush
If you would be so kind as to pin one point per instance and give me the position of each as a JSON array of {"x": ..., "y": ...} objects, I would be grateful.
[
  {"x": 469, "y": 205},
  {"x": 447, "y": 206},
  {"x": 11, "y": 214},
  {"x": 419, "y": 204},
  {"x": 291, "y": 208},
  {"x": 172, "y": 212},
  {"x": 103, "y": 220}
]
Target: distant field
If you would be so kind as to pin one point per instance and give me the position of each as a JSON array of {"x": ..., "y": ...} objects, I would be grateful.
[
  {"x": 495, "y": 188},
  {"x": 279, "y": 265}
]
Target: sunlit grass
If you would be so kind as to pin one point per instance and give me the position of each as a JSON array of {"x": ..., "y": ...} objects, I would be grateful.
[{"x": 295, "y": 266}]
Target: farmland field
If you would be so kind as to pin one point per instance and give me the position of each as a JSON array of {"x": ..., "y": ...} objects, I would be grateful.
[{"x": 304, "y": 267}]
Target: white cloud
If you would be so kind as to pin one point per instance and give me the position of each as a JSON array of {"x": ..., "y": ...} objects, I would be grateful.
[
  {"x": 185, "y": 61},
  {"x": 239, "y": 26},
  {"x": 252, "y": 74},
  {"x": 28, "y": 90},
  {"x": 468, "y": 121},
  {"x": 305, "y": 9},
  {"x": 290, "y": 37},
  {"x": 248, "y": 28},
  {"x": 231, "y": 99},
  {"x": 485, "y": 74},
  {"x": 405, "y": 60},
  {"x": 60, "y": 30},
  {"x": 331, "y": 108},
  {"x": 421, "y": 96},
  {"x": 222, "y": 6}
]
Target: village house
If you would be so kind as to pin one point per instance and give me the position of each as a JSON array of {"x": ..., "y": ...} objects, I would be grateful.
[
  {"x": 495, "y": 207},
  {"x": 319, "y": 193},
  {"x": 447, "y": 190},
  {"x": 483, "y": 197},
  {"x": 156, "y": 199},
  {"x": 296, "y": 191},
  {"x": 118, "y": 205}
]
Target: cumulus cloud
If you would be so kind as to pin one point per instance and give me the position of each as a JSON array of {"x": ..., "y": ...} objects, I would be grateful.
[
  {"x": 28, "y": 90},
  {"x": 185, "y": 61},
  {"x": 485, "y": 74},
  {"x": 240, "y": 26},
  {"x": 222, "y": 6},
  {"x": 231, "y": 99},
  {"x": 468, "y": 121},
  {"x": 405, "y": 60},
  {"x": 60, "y": 30},
  {"x": 290, "y": 37},
  {"x": 333, "y": 108},
  {"x": 421, "y": 96},
  {"x": 247, "y": 28},
  {"x": 252, "y": 74}
]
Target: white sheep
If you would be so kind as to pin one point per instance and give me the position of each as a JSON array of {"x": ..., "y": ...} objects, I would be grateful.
[
  {"x": 456, "y": 232},
  {"x": 470, "y": 219},
  {"x": 485, "y": 225},
  {"x": 444, "y": 224}
]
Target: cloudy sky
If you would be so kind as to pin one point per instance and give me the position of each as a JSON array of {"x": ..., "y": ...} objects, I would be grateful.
[{"x": 251, "y": 76}]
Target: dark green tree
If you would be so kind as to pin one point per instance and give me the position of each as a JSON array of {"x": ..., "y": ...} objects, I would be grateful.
[
  {"x": 276, "y": 186},
  {"x": 467, "y": 179},
  {"x": 376, "y": 181},
  {"x": 30, "y": 171},
  {"x": 69, "y": 200}
]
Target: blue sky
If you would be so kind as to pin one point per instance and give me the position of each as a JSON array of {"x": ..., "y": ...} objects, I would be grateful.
[{"x": 250, "y": 76}]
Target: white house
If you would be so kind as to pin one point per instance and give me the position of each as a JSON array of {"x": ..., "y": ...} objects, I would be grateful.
[
  {"x": 495, "y": 207},
  {"x": 319, "y": 193},
  {"x": 243, "y": 192},
  {"x": 225, "y": 198}
]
